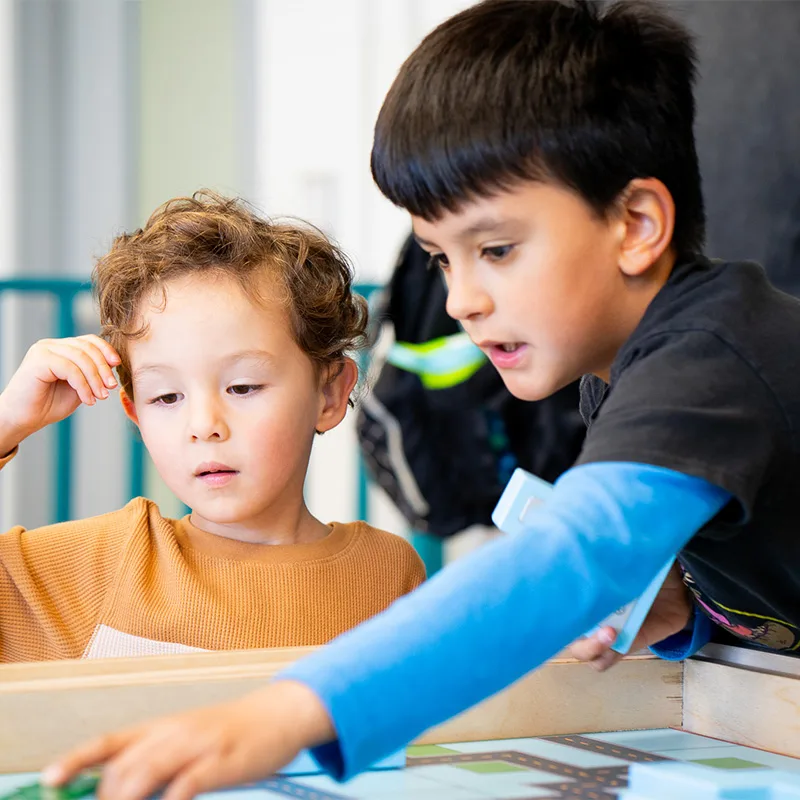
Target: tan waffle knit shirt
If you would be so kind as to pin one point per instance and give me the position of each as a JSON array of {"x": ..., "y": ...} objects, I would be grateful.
[{"x": 133, "y": 583}]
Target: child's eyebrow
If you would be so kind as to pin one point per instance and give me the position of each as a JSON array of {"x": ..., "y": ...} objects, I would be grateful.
[
  {"x": 483, "y": 226},
  {"x": 255, "y": 355},
  {"x": 146, "y": 369},
  {"x": 478, "y": 228}
]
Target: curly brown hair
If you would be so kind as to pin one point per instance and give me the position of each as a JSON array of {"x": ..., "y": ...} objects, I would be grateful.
[{"x": 208, "y": 233}]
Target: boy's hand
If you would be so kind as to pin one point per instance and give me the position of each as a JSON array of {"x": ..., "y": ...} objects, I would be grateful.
[
  {"x": 669, "y": 614},
  {"x": 54, "y": 378},
  {"x": 225, "y": 745}
]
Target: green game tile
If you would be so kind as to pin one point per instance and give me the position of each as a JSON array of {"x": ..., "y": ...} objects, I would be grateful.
[
  {"x": 421, "y": 750},
  {"x": 728, "y": 763},
  {"x": 490, "y": 767},
  {"x": 82, "y": 786}
]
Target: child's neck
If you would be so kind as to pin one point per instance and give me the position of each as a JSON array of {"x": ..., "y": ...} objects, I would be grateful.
[
  {"x": 642, "y": 290},
  {"x": 299, "y": 528}
]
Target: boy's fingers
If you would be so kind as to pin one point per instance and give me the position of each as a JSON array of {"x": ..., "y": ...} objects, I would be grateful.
[
  {"x": 111, "y": 355},
  {"x": 202, "y": 776},
  {"x": 64, "y": 369},
  {"x": 590, "y": 648},
  {"x": 153, "y": 756},
  {"x": 123, "y": 780},
  {"x": 185, "y": 786},
  {"x": 88, "y": 755},
  {"x": 224, "y": 763},
  {"x": 586, "y": 649},
  {"x": 606, "y": 660},
  {"x": 86, "y": 364},
  {"x": 100, "y": 357}
]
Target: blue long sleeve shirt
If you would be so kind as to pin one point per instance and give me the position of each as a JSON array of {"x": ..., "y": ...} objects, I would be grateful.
[{"x": 482, "y": 623}]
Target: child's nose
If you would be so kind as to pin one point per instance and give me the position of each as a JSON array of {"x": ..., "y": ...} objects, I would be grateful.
[
  {"x": 207, "y": 421},
  {"x": 466, "y": 299}
]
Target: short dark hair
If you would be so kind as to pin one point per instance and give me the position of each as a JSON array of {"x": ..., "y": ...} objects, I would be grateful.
[{"x": 582, "y": 94}]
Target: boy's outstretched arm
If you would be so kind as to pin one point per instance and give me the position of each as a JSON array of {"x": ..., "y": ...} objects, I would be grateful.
[
  {"x": 468, "y": 632},
  {"x": 240, "y": 741}
]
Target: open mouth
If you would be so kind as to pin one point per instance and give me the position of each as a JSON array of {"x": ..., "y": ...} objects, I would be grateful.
[
  {"x": 505, "y": 348},
  {"x": 507, "y": 354}
]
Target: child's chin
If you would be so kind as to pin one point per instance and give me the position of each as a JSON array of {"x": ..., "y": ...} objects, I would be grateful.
[
  {"x": 527, "y": 388},
  {"x": 219, "y": 513},
  {"x": 222, "y": 516}
]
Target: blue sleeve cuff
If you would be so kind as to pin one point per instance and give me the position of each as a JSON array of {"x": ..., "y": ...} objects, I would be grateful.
[
  {"x": 330, "y": 759},
  {"x": 685, "y": 643}
]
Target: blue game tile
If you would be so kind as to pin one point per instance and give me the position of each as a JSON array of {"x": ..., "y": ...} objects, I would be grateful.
[
  {"x": 376, "y": 785},
  {"x": 671, "y": 779},
  {"x": 785, "y": 786},
  {"x": 435, "y": 794},
  {"x": 660, "y": 741},
  {"x": 304, "y": 764},
  {"x": 498, "y": 786}
]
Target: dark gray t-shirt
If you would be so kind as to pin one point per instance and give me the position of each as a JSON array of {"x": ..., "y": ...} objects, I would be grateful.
[{"x": 708, "y": 385}]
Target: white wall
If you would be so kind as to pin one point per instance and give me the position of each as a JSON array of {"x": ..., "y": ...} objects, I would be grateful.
[{"x": 322, "y": 71}]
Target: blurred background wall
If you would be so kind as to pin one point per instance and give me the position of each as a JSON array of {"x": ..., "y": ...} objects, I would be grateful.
[{"x": 111, "y": 107}]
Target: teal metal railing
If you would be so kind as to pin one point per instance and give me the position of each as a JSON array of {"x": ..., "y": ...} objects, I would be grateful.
[{"x": 64, "y": 292}]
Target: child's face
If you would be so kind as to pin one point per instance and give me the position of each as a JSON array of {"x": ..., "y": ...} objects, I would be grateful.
[
  {"x": 534, "y": 269},
  {"x": 227, "y": 403}
]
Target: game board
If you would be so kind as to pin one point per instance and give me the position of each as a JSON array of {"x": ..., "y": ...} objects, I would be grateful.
[{"x": 547, "y": 768}]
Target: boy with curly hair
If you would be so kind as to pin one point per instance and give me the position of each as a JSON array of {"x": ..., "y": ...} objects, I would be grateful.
[{"x": 229, "y": 335}]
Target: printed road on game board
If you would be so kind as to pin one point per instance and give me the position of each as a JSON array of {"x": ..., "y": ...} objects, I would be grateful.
[{"x": 549, "y": 768}]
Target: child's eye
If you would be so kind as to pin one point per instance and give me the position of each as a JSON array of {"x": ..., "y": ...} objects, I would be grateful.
[
  {"x": 438, "y": 261},
  {"x": 497, "y": 253},
  {"x": 243, "y": 389},
  {"x": 166, "y": 399}
]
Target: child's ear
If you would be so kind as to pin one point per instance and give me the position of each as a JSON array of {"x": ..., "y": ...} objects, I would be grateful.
[
  {"x": 337, "y": 386},
  {"x": 648, "y": 217},
  {"x": 128, "y": 407}
]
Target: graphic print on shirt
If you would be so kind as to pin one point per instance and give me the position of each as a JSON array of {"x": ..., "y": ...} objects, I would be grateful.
[{"x": 763, "y": 631}]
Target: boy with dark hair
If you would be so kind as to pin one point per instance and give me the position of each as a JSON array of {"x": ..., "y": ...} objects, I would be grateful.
[{"x": 545, "y": 152}]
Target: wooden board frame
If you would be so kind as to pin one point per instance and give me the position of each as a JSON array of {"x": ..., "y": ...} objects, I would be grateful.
[
  {"x": 745, "y": 696},
  {"x": 50, "y": 706}
]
